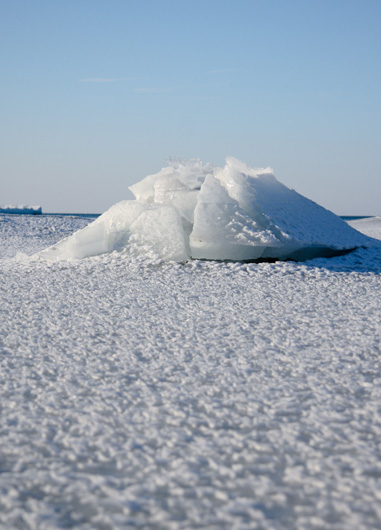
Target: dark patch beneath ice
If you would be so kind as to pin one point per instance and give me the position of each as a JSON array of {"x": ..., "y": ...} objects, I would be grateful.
[
  {"x": 303, "y": 254},
  {"x": 307, "y": 253}
]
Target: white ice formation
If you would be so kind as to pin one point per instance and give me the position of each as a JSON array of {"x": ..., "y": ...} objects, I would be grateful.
[
  {"x": 21, "y": 209},
  {"x": 193, "y": 210}
]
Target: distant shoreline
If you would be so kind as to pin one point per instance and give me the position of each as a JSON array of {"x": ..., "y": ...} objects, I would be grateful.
[
  {"x": 96, "y": 215},
  {"x": 87, "y": 215}
]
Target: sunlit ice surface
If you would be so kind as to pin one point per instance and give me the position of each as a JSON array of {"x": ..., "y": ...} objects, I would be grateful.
[{"x": 190, "y": 210}]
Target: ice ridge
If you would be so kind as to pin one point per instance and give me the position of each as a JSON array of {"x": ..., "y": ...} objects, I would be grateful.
[
  {"x": 21, "y": 210},
  {"x": 190, "y": 210}
]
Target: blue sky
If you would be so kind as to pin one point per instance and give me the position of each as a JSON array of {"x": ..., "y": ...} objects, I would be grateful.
[{"x": 96, "y": 94}]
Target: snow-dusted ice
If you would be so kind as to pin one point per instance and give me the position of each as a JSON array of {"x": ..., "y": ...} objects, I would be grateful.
[
  {"x": 190, "y": 210},
  {"x": 142, "y": 393}
]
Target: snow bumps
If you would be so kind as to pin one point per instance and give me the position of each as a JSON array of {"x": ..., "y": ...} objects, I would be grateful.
[{"x": 193, "y": 210}]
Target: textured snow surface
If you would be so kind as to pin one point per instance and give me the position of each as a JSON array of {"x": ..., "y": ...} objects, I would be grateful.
[
  {"x": 190, "y": 210},
  {"x": 149, "y": 394}
]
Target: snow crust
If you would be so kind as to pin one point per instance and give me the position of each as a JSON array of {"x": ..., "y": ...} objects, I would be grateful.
[
  {"x": 138, "y": 393},
  {"x": 189, "y": 210},
  {"x": 21, "y": 209},
  {"x": 371, "y": 226}
]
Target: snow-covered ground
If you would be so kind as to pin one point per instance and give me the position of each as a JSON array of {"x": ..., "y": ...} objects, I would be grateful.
[{"x": 156, "y": 395}]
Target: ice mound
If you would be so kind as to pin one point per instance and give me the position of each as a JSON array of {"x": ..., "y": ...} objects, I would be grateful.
[
  {"x": 21, "y": 209},
  {"x": 193, "y": 210}
]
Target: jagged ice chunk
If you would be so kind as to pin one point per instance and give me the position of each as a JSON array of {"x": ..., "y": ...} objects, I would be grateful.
[{"x": 194, "y": 210}]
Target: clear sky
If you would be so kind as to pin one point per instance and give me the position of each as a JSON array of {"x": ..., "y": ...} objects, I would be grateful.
[{"x": 96, "y": 94}]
